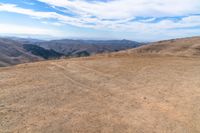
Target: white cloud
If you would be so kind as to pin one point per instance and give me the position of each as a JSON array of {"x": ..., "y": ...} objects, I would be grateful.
[
  {"x": 52, "y": 23},
  {"x": 119, "y": 15},
  {"x": 125, "y": 10},
  {"x": 36, "y": 14},
  {"x": 48, "y": 15},
  {"x": 120, "y": 9},
  {"x": 19, "y": 29},
  {"x": 83, "y": 21}
]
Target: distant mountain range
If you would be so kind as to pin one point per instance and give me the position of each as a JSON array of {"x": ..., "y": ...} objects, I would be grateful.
[
  {"x": 78, "y": 48},
  {"x": 21, "y": 50}
]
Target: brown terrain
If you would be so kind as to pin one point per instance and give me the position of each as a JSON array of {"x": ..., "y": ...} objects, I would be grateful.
[
  {"x": 185, "y": 47},
  {"x": 15, "y": 51},
  {"x": 12, "y": 53},
  {"x": 152, "y": 89}
]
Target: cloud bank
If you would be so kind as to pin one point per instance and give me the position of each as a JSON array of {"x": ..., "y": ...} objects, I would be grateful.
[{"x": 139, "y": 16}]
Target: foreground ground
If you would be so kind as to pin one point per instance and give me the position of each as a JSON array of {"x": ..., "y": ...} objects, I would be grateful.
[{"x": 102, "y": 94}]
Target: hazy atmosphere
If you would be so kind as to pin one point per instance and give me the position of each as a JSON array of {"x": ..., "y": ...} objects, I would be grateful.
[{"x": 140, "y": 20}]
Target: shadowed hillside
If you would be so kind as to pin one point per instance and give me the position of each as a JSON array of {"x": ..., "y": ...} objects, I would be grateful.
[
  {"x": 91, "y": 47},
  {"x": 41, "y": 52},
  {"x": 12, "y": 53},
  {"x": 20, "y": 50}
]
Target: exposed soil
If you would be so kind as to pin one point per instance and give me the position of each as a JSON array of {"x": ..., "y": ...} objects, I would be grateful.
[{"x": 119, "y": 94}]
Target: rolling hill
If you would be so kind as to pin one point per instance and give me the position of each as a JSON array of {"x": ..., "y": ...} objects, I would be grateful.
[
  {"x": 12, "y": 52},
  {"x": 123, "y": 92},
  {"x": 20, "y": 50},
  {"x": 91, "y": 47},
  {"x": 176, "y": 47}
]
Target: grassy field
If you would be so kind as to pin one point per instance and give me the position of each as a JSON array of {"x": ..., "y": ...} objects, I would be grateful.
[{"x": 119, "y": 94}]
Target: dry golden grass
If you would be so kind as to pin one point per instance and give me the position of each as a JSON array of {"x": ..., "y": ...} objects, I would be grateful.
[
  {"x": 145, "y": 90},
  {"x": 119, "y": 94},
  {"x": 186, "y": 47}
]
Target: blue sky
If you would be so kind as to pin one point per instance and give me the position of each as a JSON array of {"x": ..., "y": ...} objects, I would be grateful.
[{"x": 140, "y": 20}]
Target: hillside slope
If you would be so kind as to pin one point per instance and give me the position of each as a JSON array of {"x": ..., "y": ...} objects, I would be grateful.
[
  {"x": 12, "y": 52},
  {"x": 175, "y": 47},
  {"x": 91, "y": 47},
  {"x": 111, "y": 93},
  {"x": 20, "y": 50}
]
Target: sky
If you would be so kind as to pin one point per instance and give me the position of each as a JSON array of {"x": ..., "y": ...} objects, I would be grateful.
[{"x": 139, "y": 20}]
